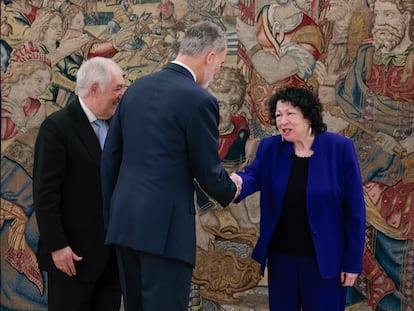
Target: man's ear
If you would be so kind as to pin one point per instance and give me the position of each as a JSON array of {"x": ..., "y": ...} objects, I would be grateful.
[
  {"x": 93, "y": 87},
  {"x": 210, "y": 57}
]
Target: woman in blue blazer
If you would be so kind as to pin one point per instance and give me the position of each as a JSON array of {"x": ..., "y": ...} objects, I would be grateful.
[{"x": 312, "y": 223}]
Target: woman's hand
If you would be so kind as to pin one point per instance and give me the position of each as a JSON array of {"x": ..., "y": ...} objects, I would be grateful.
[{"x": 348, "y": 279}]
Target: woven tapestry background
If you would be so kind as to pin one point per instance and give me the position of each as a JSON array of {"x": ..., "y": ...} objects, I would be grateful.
[{"x": 356, "y": 55}]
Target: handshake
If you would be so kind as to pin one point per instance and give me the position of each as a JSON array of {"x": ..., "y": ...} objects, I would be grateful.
[{"x": 238, "y": 181}]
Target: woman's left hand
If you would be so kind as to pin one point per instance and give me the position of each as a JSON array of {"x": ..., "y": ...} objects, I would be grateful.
[{"x": 348, "y": 279}]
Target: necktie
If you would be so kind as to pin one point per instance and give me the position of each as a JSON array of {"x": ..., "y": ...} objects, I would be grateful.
[{"x": 101, "y": 131}]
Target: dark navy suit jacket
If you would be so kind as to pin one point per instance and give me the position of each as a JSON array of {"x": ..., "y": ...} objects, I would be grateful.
[
  {"x": 162, "y": 136},
  {"x": 335, "y": 201}
]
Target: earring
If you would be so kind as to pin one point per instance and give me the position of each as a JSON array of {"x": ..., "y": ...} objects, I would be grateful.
[{"x": 310, "y": 130}]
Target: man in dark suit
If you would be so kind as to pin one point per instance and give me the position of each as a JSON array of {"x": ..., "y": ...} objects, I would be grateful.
[
  {"x": 82, "y": 271},
  {"x": 164, "y": 135}
]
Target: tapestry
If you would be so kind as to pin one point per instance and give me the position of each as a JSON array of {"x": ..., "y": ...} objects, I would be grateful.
[{"x": 356, "y": 55}]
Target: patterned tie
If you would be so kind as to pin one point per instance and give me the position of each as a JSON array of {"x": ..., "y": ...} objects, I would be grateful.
[{"x": 101, "y": 131}]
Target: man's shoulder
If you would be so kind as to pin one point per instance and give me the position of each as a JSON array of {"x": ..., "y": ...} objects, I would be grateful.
[
  {"x": 170, "y": 72},
  {"x": 58, "y": 115},
  {"x": 63, "y": 115}
]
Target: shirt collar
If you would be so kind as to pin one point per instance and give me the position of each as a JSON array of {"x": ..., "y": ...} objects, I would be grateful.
[
  {"x": 186, "y": 67},
  {"x": 89, "y": 114}
]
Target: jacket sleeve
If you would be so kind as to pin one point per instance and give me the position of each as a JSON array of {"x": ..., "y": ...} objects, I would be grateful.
[
  {"x": 252, "y": 175},
  {"x": 203, "y": 137},
  {"x": 355, "y": 213},
  {"x": 48, "y": 175}
]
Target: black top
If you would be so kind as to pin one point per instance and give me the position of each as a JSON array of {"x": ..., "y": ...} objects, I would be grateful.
[{"x": 292, "y": 235}]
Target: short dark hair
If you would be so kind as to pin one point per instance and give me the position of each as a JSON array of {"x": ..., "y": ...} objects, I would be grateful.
[{"x": 303, "y": 99}]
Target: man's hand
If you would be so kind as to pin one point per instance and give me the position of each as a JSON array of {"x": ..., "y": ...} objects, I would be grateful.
[{"x": 63, "y": 259}]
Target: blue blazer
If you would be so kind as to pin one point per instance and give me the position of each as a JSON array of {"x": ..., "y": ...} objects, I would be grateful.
[
  {"x": 335, "y": 200},
  {"x": 163, "y": 135}
]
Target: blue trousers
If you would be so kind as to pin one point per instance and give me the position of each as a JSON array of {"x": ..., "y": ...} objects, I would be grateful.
[
  {"x": 151, "y": 282},
  {"x": 295, "y": 283}
]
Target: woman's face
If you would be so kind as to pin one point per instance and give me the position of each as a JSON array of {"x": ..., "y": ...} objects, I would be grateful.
[
  {"x": 290, "y": 122},
  {"x": 78, "y": 21},
  {"x": 167, "y": 9},
  {"x": 55, "y": 29},
  {"x": 35, "y": 84}
]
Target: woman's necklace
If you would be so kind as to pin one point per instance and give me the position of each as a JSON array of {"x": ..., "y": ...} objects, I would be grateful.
[
  {"x": 304, "y": 149},
  {"x": 304, "y": 153}
]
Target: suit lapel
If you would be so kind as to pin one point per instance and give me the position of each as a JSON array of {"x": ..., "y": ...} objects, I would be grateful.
[
  {"x": 282, "y": 168},
  {"x": 84, "y": 130}
]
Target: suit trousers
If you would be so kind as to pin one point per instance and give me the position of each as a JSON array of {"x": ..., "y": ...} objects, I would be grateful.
[
  {"x": 70, "y": 294},
  {"x": 153, "y": 283},
  {"x": 295, "y": 283}
]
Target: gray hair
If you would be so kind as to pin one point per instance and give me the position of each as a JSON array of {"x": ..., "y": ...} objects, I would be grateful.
[
  {"x": 96, "y": 69},
  {"x": 201, "y": 37}
]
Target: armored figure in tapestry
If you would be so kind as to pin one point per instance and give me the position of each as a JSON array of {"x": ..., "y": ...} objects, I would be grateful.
[{"x": 377, "y": 98}]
